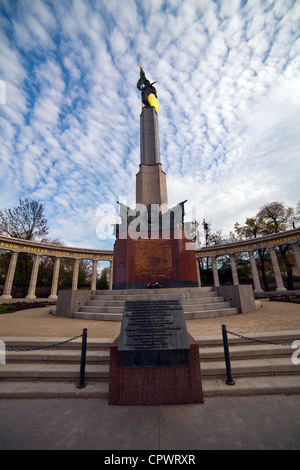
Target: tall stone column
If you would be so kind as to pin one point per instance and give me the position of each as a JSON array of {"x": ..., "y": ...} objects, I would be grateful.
[
  {"x": 215, "y": 271},
  {"x": 34, "y": 273},
  {"x": 234, "y": 272},
  {"x": 255, "y": 276},
  {"x": 94, "y": 275},
  {"x": 53, "y": 295},
  {"x": 10, "y": 277},
  {"x": 75, "y": 274},
  {"x": 276, "y": 270},
  {"x": 111, "y": 274},
  {"x": 151, "y": 183},
  {"x": 296, "y": 251}
]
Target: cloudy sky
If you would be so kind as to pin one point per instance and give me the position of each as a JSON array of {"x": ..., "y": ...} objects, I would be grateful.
[{"x": 228, "y": 82}]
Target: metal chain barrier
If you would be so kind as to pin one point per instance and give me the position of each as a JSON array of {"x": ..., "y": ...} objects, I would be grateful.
[
  {"x": 43, "y": 347},
  {"x": 230, "y": 380},
  {"x": 83, "y": 335},
  {"x": 255, "y": 340}
]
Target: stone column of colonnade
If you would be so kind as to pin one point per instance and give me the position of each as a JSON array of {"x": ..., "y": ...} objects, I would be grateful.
[
  {"x": 34, "y": 274},
  {"x": 6, "y": 296},
  {"x": 235, "y": 277},
  {"x": 53, "y": 295},
  {"x": 254, "y": 271},
  {"x": 10, "y": 277},
  {"x": 277, "y": 273},
  {"x": 296, "y": 251},
  {"x": 215, "y": 271},
  {"x": 255, "y": 276}
]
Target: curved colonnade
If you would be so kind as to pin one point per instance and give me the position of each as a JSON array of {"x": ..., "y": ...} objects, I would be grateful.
[
  {"x": 291, "y": 237},
  {"x": 38, "y": 249},
  {"x": 16, "y": 246}
]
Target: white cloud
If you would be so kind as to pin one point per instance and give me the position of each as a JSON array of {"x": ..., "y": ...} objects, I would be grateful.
[{"x": 228, "y": 83}]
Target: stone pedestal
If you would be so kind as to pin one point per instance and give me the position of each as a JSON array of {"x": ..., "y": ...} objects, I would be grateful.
[
  {"x": 151, "y": 185},
  {"x": 165, "y": 385},
  {"x": 163, "y": 260}
]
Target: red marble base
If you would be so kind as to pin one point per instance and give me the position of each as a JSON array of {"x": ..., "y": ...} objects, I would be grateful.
[
  {"x": 163, "y": 260},
  {"x": 173, "y": 385}
]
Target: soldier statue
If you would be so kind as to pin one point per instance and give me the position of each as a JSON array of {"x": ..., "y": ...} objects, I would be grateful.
[{"x": 148, "y": 91}]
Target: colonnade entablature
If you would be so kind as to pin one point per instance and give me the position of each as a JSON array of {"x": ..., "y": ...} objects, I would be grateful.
[
  {"x": 38, "y": 249},
  {"x": 290, "y": 237}
]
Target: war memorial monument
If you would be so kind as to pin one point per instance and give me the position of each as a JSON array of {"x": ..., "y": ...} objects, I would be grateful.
[{"x": 154, "y": 360}]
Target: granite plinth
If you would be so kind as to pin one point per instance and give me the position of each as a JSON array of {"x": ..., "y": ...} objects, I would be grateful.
[
  {"x": 166, "y": 385},
  {"x": 153, "y": 333},
  {"x": 165, "y": 260}
]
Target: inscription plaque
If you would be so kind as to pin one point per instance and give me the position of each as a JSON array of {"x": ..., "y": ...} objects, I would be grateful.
[{"x": 153, "y": 334}]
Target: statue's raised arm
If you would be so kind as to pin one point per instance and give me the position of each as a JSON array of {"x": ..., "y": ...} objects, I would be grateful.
[{"x": 149, "y": 95}]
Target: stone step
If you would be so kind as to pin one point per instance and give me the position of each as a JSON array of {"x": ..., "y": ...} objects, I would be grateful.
[
  {"x": 36, "y": 342},
  {"x": 98, "y": 316},
  {"x": 210, "y": 310},
  {"x": 186, "y": 308},
  {"x": 105, "y": 302},
  {"x": 244, "y": 351},
  {"x": 196, "y": 302},
  {"x": 188, "y": 316},
  {"x": 161, "y": 291},
  {"x": 201, "y": 300},
  {"x": 205, "y": 306},
  {"x": 101, "y": 309},
  {"x": 62, "y": 357},
  {"x": 287, "y": 336},
  {"x": 288, "y": 384},
  {"x": 185, "y": 302},
  {"x": 270, "y": 385},
  {"x": 54, "y": 389},
  {"x": 151, "y": 296},
  {"x": 207, "y": 353},
  {"x": 251, "y": 367},
  {"x": 52, "y": 371},
  {"x": 214, "y": 366},
  {"x": 257, "y": 368},
  {"x": 210, "y": 313}
]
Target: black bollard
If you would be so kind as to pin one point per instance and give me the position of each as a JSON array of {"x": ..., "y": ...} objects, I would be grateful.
[
  {"x": 83, "y": 355},
  {"x": 229, "y": 380}
]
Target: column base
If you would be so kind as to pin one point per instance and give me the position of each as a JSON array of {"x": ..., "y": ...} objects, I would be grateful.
[
  {"x": 6, "y": 297},
  {"x": 30, "y": 297},
  {"x": 258, "y": 291},
  {"x": 281, "y": 289},
  {"x": 53, "y": 298}
]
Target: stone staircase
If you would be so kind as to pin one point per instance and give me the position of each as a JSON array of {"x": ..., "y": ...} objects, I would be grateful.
[
  {"x": 197, "y": 302},
  {"x": 54, "y": 373}
]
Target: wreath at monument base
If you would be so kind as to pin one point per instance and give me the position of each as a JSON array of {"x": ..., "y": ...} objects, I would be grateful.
[{"x": 153, "y": 285}]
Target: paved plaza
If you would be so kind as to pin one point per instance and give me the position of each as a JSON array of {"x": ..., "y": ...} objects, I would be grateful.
[
  {"x": 264, "y": 422},
  {"x": 261, "y": 422},
  {"x": 271, "y": 316}
]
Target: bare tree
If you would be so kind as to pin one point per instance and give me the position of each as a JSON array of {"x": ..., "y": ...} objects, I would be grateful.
[{"x": 24, "y": 221}]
